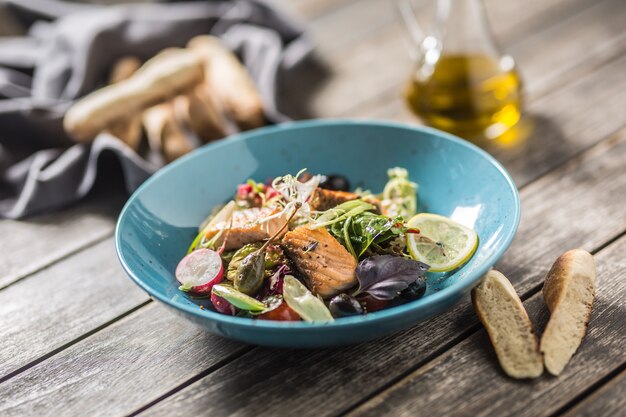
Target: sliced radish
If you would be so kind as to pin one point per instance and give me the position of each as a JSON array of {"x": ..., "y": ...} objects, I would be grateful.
[
  {"x": 222, "y": 305},
  {"x": 199, "y": 271}
]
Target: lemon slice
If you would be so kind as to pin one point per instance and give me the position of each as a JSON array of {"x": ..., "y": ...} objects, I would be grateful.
[{"x": 442, "y": 243}]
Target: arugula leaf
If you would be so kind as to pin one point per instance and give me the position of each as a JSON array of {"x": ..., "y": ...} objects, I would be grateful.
[
  {"x": 383, "y": 277},
  {"x": 357, "y": 233},
  {"x": 341, "y": 212}
]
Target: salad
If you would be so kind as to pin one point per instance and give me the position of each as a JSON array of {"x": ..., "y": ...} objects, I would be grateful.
[{"x": 304, "y": 247}]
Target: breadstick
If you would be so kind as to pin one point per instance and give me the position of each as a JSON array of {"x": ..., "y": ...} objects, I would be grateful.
[
  {"x": 128, "y": 131},
  {"x": 511, "y": 333},
  {"x": 164, "y": 132},
  {"x": 168, "y": 74},
  {"x": 202, "y": 114},
  {"x": 229, "y": 81},
  {"x": 569, "y": 292},
  {"x": 124, "y": 68}
]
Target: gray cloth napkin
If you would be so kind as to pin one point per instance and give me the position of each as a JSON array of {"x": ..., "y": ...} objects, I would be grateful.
[{"x": 68, "y": 52}]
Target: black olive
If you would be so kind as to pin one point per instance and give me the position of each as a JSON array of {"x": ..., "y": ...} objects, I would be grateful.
[
  {"x": 344, "y": 305},
  {"x": 335, "y": 183},
  {"x": 415, "y": 290}
]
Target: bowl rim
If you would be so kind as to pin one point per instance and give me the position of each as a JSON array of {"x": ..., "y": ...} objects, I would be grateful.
[{"x": 459, "y": 287}]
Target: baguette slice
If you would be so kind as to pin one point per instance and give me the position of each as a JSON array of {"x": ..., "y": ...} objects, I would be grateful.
[
  {"x": 165, "y": 132},
  {"x": 228, "y": 80},
  {"x": 569, "y": 291},
  {"x": 168, "y": 74},
  {"x": 202, "y": 114},
  {"x": 129, "y": 131},
  {"x": 502, "y": 313},
  {"x": 124, "y": 68}
]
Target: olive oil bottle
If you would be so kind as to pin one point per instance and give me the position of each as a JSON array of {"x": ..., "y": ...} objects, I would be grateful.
[
  {"x": 461, "y": 83},
  {"x": 468, "y": 95}
]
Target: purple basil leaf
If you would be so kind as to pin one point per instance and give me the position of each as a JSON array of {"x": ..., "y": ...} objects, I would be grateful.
[
  {"x": 276, "y": 280},
  {"x": 274, "y": 284},
  {"x": 383, "y": 277}
]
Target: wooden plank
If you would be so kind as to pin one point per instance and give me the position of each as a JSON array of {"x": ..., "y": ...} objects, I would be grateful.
[
  {"x": 381, "y": 63},
  {"x": 568, "y": 121},
  {"x": 356, "y": 23},
  {"x": 563, "y": 208},
  {"x": 467, "y": 380},
  {"x": 63, "y": 302},
  {"x": 608, "y": 401},
  {"x": 31, "y": 244},
  {"x": 99, "y": 377},
  {"x": 337, "y": 24},
  {"x": 547, "y": 59},
  {"x": 339, "y": 39},
  {"x": 571, "y": 47},
  {"x": 270, "y": 380},
  {"x": 545, "y": 14}
]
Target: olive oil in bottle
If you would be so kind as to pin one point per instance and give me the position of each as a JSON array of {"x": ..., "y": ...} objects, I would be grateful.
[
  {"x": 474, "y": 96},
  {"x": 462, "y": 82}
]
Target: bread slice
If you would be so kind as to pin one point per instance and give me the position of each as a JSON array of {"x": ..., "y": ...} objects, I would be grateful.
[
  {"x": 502, "y": 313},
  {"x": 229, "y": 80},
  {"x": 569, "y": 291}
]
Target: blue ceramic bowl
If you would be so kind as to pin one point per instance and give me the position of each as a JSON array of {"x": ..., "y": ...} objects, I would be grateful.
[{"x": 456, "y": 179}]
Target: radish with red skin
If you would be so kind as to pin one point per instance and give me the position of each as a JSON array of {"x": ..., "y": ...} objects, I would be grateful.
[
  {"x": 199, "y": 271},
  {"x": 222, "y": 305}
]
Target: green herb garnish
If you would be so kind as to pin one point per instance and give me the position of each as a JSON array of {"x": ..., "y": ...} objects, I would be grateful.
[{"x": 357, "y": 233}]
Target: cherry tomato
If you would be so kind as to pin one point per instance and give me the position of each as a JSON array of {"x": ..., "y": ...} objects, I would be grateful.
[
  {"x": 281, "y": 313},
  {"x": 371, "y": 304}
]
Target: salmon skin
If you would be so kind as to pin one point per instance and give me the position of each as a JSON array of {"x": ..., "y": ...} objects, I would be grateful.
[
  {"x": 327, "y": 266},
  {"x": 246, "y": 228}
]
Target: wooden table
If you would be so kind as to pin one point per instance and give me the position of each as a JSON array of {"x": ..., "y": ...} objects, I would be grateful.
[{"x": 79, "y": 338}]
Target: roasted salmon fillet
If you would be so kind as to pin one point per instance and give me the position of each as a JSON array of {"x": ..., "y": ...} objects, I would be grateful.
[
  {"x": 326, "y": 265},
  {"x": 322, "y": 200},
  {"x": 246, "y": 229}
]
